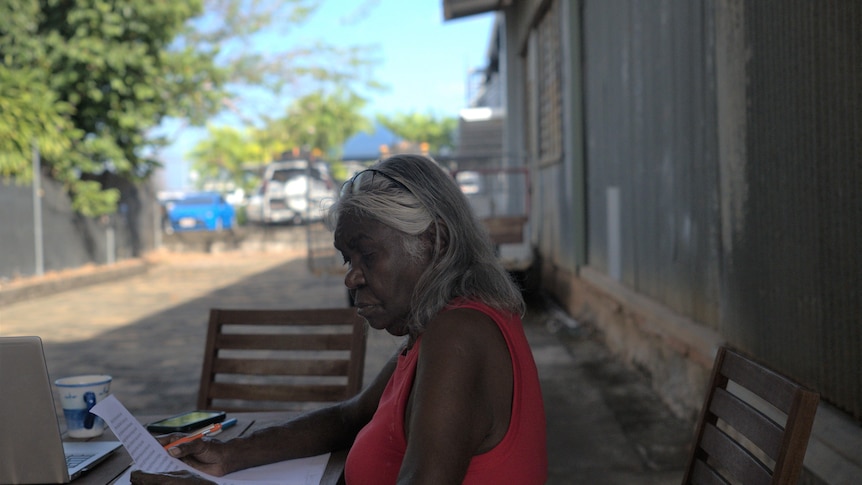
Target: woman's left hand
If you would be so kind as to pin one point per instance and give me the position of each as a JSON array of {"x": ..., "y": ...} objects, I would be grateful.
[{"x": 181, "y": 477}]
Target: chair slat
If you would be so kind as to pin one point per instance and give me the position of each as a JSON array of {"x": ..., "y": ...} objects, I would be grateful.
[
  {"x": 285, "y": 342},
  {"x": 312, "y": 317},
  {"x": 311, "y": 366},
  {"x": 703, "y": 474},
  {"x": 282, "y": 367},
  {"x": 258, "y": 392},
  {"x": 755, "y": 426},
  {"x": 726, "y": 454},
  {"x": 767, "y": 384},
  {"x": 715, "y": 452}
]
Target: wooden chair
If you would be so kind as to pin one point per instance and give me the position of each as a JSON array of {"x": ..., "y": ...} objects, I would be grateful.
[
  {"x": 740, "y": 438},
  {"x": 262, "y": 360}
]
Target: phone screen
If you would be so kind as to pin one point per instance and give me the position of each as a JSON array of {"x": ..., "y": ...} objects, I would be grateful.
[
  {"x": 187, "y": 421},
  {"x": 188, "y": 418}
]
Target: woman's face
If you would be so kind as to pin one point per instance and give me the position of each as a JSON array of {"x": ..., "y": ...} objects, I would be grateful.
[{"x": 381, "y": 274}]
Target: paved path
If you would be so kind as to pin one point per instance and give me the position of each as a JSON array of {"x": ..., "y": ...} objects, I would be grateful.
[{"x": 605, "y": 425}]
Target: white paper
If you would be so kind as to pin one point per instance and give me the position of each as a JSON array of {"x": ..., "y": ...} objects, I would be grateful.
[{"x": 150, "y": 456}]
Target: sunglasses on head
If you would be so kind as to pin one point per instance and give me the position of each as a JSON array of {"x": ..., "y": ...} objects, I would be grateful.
[{"x": 365, "y": 180}]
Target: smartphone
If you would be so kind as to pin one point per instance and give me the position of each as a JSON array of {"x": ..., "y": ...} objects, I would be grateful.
[{"x": 187, "y": 421}]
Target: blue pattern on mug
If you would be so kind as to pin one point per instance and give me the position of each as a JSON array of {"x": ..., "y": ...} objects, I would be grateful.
[
  {"x": 78, "y": 396},
  {"x": 90, "y": 399},
  {"x": 82, "y": 419}
]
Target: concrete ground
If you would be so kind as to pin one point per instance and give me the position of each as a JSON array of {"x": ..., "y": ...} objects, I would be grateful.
[{"x": 146, "y": 328}]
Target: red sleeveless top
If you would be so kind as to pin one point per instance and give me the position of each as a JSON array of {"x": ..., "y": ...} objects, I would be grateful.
[{"x": 520, "y": 458}]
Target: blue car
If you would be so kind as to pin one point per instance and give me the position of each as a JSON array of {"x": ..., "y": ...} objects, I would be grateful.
[{"x": 205, "y": 211}]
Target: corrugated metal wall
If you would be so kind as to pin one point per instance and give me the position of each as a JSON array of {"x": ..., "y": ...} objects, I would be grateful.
[
  {"x": 793, "y": 288},
  {"x": 651, "y": 150},
  {"x": 737, "y": 205}
]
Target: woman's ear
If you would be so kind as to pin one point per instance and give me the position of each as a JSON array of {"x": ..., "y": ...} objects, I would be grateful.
[{"x": 438, "y": 236}]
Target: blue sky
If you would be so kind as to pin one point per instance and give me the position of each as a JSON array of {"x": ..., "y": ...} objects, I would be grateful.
[{"x": 424, "y": 61}]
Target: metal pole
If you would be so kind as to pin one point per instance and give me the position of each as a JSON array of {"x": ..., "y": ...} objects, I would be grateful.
[
  {"x": 110, "y": 250},
  {"x": 110, "y": 245},
  {"x": 615, "y": 232},
  {"x": 37, "y": 211},
  {"x": 157, "y": 225},
  {"x": 307, "y": 218}
]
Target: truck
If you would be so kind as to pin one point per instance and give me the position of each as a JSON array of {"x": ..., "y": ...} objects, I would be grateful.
[{"x": 293, "y": 192}]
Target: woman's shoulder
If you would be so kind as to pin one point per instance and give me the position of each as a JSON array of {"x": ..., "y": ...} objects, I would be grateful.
[
  {"x": 497, "y": 313},
  {"x": 464, "y": 319},
  {"x": 462, "y": 328}
]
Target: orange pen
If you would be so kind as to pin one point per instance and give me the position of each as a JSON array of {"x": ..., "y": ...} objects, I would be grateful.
[{"x": 214, "y": 429}]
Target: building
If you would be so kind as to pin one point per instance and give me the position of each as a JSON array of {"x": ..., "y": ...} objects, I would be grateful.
[{"x": 695, "y": 170}]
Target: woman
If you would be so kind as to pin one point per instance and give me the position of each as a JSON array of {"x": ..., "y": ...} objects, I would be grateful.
[{"x": 461, "y": 402}]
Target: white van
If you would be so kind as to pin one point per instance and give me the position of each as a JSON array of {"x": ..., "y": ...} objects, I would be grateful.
[{"x": 294, "y": 192}]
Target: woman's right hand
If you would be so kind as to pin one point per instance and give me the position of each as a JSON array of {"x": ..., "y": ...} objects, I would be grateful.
[{"x": 206, "y": 454}]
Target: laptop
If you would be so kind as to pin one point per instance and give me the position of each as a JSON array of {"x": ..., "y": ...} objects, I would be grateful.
[{"x": 31, "y": 447}]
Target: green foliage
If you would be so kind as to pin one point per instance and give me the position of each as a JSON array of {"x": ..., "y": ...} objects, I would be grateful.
[
  {"x": 339, "y": 170},
  {"x": 224, "y": 154},
  {"x": 439, "y": 133},
  {"x": 316, "y": 124},
  {"x": 90, "y": 199},
  {"x": 323, "y": 122},
  {"x": 109, "y": 60},
  {"x": 87, "y": 81},
  {"x": 30, "y": 113}
]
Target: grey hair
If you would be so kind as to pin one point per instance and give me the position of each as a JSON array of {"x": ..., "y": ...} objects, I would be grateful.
[{"x": 467, "y": 267}]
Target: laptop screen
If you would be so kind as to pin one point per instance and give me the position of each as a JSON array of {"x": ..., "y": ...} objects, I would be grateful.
[{"x": 29, "y": 431}]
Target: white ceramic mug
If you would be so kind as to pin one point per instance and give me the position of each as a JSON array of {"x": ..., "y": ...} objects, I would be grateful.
[{"x": 78, "y": 394}]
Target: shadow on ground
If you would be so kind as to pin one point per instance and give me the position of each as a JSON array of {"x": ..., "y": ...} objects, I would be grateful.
[{"x": 156, "y": 360}]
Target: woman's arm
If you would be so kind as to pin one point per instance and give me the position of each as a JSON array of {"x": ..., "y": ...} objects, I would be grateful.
[
  {"x": 328, "y": 429},
  {"x": 460, "y": 404}
]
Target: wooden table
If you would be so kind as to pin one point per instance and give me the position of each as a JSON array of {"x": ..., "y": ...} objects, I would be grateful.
[{"x": 116, "y": 464}]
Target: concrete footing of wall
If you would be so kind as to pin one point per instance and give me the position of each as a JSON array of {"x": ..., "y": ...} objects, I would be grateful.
[
  {"x": 677, "y": 353},
  {"x": 674, "y": 352}
]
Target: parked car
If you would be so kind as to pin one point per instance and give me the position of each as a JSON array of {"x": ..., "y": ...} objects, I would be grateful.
[
  {"x": 203, "y": 211},
  {"x": 469, "y": 181},
  {"x": 165, "y": 205},
  {"x": 293, "y": 192}
]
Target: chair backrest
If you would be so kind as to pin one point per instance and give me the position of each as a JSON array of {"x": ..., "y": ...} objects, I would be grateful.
[
  {"x": 754, "y": 425},
  {"x": 261, "y": 360}
]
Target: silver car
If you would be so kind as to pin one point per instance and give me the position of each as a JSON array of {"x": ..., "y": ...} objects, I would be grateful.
[{"x": 292, "y": 192}]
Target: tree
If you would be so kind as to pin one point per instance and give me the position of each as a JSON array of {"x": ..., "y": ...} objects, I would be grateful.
[
  {"x": 439, "y": 133},
  {"x": 322, "y": 122},
  {"x": 225, "y": 154},
  {"x": 29, "y": 110},
  {"x": 316, "y": 124},
  {"x": 89, "y": 80}
]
